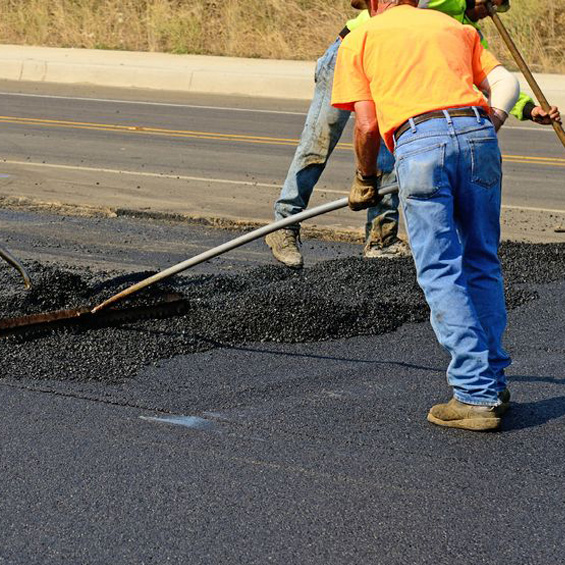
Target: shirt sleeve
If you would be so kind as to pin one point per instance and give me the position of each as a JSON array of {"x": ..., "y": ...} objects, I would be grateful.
[
  {"x": 350, "y": 83},
  {"x": 454, "y": 8},
  {"x": 361, "y": 19},
  {"x": 520, "y": 108},
  {"x": 483, "y": 61}
]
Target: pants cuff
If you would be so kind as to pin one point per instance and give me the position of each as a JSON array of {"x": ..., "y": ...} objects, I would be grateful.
[{"x": 469, "y": 399}]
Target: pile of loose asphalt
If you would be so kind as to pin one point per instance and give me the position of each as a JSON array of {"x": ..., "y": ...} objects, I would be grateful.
[{"x": 335, "y": 299}]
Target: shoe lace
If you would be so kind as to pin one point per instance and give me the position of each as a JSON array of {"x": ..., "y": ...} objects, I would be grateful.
[{"x": 291, "y": 240}]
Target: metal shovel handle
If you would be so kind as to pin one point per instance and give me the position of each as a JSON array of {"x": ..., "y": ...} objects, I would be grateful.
[
  {"x": 233, "y": 244},
  {"x": 522, "y": 65},
  {"x": 10, "y": 259}
]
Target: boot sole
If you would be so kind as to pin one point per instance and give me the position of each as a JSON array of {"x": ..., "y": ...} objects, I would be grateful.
[
  {"x": 473, "y": 424},
  {"x": 287, "y": 264},
  {"x": 292, "y": 265}
]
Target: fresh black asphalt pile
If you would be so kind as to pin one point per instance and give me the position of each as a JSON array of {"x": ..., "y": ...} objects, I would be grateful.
[{"x": 335, "y": 299}]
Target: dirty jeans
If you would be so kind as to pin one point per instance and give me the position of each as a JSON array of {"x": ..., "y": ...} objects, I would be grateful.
[
  {"x": 322, "y": 130},
  {"x": 449, "y": 172}
]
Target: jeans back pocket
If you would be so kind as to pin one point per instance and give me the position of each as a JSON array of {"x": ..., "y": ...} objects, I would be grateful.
[
  {"x": 420, "y": 170},
  {"x": 486, "y": 162}
]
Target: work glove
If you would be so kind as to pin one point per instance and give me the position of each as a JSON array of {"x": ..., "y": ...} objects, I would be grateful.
[
  {"x": 540, "y": 116},
  {"x": 364, "y": 191},
  {"x": 478, "y": 9}
]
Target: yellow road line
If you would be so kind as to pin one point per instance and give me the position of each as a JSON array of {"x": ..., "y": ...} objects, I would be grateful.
[
  {"x": 140, "y": 129},
  {"x": 514, "y": 159},
  {"x": 192, "y": 135},
  {"x": 216, "y": 136},
  {"x": 530, "y": 158}
]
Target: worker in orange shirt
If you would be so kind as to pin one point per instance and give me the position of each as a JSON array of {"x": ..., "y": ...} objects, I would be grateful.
[{"x": 411, "y": 76}]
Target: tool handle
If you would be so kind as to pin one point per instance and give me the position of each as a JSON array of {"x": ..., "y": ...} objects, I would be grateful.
[
  {"x": 228, "y": 246},
  {"x": 522, "y": 65},
  {"x": 11, "y": 260}
]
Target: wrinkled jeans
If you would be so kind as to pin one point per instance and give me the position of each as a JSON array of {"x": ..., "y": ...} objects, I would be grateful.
[
  {"x": 449, "y": 172},
  {"x": 322, "y": 130}
]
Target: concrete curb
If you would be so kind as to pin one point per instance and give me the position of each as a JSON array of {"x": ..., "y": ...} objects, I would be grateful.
[
  {"x": 185, "y": 73},
  {"x": 158, "y": 71}
]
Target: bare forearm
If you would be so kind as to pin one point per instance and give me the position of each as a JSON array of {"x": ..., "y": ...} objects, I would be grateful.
[
  {"x": 366, "y": 138},
  {"x": 366, "y": 151}
]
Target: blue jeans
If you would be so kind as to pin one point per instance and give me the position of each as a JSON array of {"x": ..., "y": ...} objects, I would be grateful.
[
  {"x": 449, "y": 172},
  {"x": 322, "y": 130}
]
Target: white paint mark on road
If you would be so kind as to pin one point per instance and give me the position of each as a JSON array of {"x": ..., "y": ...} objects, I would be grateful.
[
  {"x": 193, "y": 422},
  {"x": 531, "y": 209},
  {"x": 145, "y": 103},
  {"x": 137, "y": 173},
  {"x": 540, "y": 129},
  {"x": 215, "y": 180},
  {"x": 154, "y": 175}
]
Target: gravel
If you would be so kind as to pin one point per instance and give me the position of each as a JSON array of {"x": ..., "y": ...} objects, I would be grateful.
[{"x": 332, "y": 300}]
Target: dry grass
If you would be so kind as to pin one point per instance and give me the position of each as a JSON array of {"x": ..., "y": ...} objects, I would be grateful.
[
  {"x": 283, "y": 29},
  {"x": 538, "y": 29}
]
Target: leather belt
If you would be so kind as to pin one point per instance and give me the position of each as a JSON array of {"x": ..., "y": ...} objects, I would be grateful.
[{"x": 453, "y": 112}]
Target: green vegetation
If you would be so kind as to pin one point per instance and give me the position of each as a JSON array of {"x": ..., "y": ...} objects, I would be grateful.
[{"x": 281, "y": 29}]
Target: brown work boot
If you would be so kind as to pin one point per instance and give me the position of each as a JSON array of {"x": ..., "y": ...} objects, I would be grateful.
[
  {"x": 397, "y": 248},
  {"x": 284, "y": 246},
  {"x": 456, "y": 414}
]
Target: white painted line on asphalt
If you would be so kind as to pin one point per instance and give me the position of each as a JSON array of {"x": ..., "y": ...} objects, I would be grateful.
[
  {"x": 531, "y": 209},
  {"x": 138, "y": 173},
  {"x": 154, "y": 175},
  {"x": 210, "y": 180},
  {"x": 540, "y": 129},
  {"x": 142, "y": 103}
]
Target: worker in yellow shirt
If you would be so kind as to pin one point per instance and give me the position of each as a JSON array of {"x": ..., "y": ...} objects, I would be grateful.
[{"x": 425, "y": 104}]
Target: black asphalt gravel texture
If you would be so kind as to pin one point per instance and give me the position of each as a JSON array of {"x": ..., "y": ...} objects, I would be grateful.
[{"x": 332, "y": 300}]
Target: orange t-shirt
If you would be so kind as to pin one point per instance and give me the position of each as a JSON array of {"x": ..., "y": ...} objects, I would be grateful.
[{"x": 410, "y": 61}]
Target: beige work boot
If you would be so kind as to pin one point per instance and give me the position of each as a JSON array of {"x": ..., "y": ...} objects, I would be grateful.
[
  {"x": 456, "y": 414},
  {"x": 284, "y": 246},
  {"x": 398, "y": 248}
]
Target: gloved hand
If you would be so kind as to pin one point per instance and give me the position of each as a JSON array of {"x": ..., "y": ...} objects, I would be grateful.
[
  {"x": 359, "y": 4},
  {"x": 540, "y": 116},
  {"x": 364, "y": 191},
  {"x": 477, "y": 9}
]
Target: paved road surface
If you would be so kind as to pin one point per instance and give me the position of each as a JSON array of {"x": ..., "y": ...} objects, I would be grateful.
[
  {"x": 263, "y": 453},
  {"x": 216, "y": 157},
  {"x": 275, "y": 453}
]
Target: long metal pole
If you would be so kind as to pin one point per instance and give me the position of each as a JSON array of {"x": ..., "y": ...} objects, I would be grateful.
[
  {"x": 9, "y": 258},
  {"x": 228, "y": 246},
  {"x": 522, "y": 65}
]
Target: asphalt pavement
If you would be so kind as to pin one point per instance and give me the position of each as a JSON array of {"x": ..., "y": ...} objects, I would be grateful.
[
  {"x": 107, "y": 151},
  {"x": 268, "y": 451}
]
